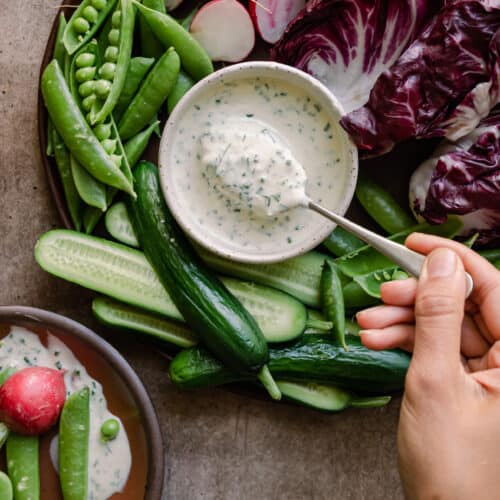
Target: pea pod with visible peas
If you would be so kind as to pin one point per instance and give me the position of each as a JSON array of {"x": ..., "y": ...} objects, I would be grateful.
[
  {"x": 150, "y": 45},
  {"x": 381, "y": 206},
  {"x": 74, "y": 444},
  {"x": 182, "y": 85},
  {"x": 194, "y": 58},
  {"x": 137, "y": 70},
  {"x": 113, "y": 72},
  {"x": 75, "y": 131},
  {"x": 84, "y": 22},
  {"x": 153, "y": 92},
  {"x": 23, "y": 466}
]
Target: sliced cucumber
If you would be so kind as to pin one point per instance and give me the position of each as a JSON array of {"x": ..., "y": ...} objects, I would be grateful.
[
  {"x": 125, "y": 274},
  {"x": 299, "y": 276},
  {"x": 118, "y": 225},
  {"x": 116, "y": 314}
]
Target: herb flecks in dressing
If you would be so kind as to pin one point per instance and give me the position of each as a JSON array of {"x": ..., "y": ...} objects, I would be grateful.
[{"x": 248, "y": 163}]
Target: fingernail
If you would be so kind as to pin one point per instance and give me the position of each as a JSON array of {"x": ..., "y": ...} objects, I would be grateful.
[
  {"x": 440, "y": 263},
  {"x": 364, "y": 332}
]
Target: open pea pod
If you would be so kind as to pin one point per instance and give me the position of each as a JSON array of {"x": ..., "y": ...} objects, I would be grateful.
[
  {"x": 367, "y": 260},
  {"x": 371, "y": 282}
]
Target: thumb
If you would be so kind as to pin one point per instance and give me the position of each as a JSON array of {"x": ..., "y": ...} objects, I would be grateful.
[{"x": 439, "y": 311}]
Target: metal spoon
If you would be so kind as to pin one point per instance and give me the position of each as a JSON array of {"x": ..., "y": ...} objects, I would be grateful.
[{"x": 407, "y": 259}]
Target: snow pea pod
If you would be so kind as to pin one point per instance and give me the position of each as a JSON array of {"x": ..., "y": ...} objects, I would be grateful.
[
  {"x": 150, "y": 45},
  {"x": 194, "y": 58},
  {"x": 381, "y": 206},
  {"x": 135, "y": 147},
  {"x": 182, "y": 85},
  {"x": 153, "y": 92},
  {"x": 84, "y": 22},
  {"x": 75, "y": 131},
  {"x": 23, "y": 466},
  {"x": 91, "y": 191},
  {"x": 137, "y": 70},
  {"x": 117, "y": 58},
  {"x": 74, "y": 445},
  {"x": 356, "y": 298},
  {"x": 341, "y": 242},
  {"x": 371, "y": 282},
  {"x": 332, "y": 301},
  {"x": 366, "y": 259}
]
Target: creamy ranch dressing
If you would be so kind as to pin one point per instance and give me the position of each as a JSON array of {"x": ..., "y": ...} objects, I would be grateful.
[
  {"x": 108, "y": 463},
  {"x": 259, "y": 111}
]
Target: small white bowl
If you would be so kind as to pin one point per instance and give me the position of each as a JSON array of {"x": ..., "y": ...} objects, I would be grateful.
[{"x": 341, "y": 185}]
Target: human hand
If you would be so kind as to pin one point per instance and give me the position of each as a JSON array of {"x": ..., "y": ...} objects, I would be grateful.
[{"x": 449, "y": 432}]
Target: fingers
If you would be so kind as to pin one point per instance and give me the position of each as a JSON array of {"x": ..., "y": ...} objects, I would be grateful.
[
  {"x": 397, "y": 336},
  {"x": 383, "y": 316},
  {"x": 400, "y": 292},
  {"x": 489, "y": 361},
  {"x": 488, "y": 379},
  {"x": 439, "y": 311}
]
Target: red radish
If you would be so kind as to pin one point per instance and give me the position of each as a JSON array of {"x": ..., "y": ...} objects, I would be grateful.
[
  {"x": 225, "y": 30},
  {"x": 271, "y": 17},
  {"x": 31, "y": 400}
]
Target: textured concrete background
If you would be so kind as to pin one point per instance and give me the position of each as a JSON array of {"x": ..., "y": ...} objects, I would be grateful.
[{"x": 218, "y": 445}]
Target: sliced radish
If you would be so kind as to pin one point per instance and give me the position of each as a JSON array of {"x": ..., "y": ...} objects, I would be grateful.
[
  {"x": 225, "y": 30},
  {"x": 271, "y": 17}
]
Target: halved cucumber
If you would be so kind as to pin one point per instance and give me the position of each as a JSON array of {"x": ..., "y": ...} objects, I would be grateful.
[
  {"x": 125, "y": 274},
  {"x": 119, "y": 226}
]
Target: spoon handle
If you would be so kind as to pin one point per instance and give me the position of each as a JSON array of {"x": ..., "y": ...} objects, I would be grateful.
[{"x": 407, "y": 259}]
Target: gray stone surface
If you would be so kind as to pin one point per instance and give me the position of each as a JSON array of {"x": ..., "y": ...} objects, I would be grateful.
[{"x": 218, "y": 445}]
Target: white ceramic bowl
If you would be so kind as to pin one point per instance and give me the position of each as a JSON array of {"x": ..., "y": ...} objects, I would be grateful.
[{"x": 317, "y": 228}]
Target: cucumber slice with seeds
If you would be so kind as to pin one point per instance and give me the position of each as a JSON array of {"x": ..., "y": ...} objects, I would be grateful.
[{"x": 118, "y": 225}]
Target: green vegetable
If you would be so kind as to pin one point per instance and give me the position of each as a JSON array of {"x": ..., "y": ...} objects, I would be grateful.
[
  {"x": 118, "y": 226},
  {"x": 23, "y": 466},
  {"x": 80, "y": 29},
  {"x": 326, "y": 397},
  {"x": 6, "y": 492},
  {"x": 341, "y": 242},
  {"x": 134, "y": 148},
  {"x": 90, "y": 190},
  {"x": 225, "y": 327},
  {"x": 170, "y": 33},
  {"x": 137, "y": 70},
  {"x": 492, "y": 254},
  {"x": 6, "y": 373},
  {"x": 74, "y": 445},
  {"x": 150, "y": 45},
  {"x": 182, "y": 85},
  {"x": 370, "y": 283},
  {"x": 311, "y": 358},
  {"x": 4, "y": 434},
  {"x": 356, "y": 298},
  {"x": 76, "y": 133},
  {"x": 381, "y": 206},
  {"x": 153, "y": 92},
  {"x": 332, "y": 301},
  {"x": 109, "y": 429}
]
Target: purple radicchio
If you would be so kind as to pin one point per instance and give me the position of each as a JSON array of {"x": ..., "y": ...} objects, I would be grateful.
[
  {"x": 444, "y": 83},
  {"x": 347, "y": 44},
  {"x": 463, "y": 178}
]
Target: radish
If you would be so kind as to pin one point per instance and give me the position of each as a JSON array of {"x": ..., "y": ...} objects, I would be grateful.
[
  {"x": 31, "y": 400},
  {"x": 225, "y": 30},
  {"x": 271, "y": 17}
]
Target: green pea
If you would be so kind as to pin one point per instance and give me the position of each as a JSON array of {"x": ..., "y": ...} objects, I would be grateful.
[
  {"x": 102, "y": 131},
  {"x": 109, "y": 429},
  {"x": 114, "y": 37},
  {"x": 107, "y": 71},
  {"x": 98, "y": 4},
  {"x": 116, "y": 19},
  {"x": 111, "y": 54},
  {"x": 102, "y": 88},
  {"x": 81, "y": 25},
  {"x": 88, "y": 102},
  {"x": 87, "y": 88},
  {"x": 109, "y": 146},
  {"x": 90, "y": 14},
  {"x": 85, "y": 74},
  {"x": 116, "y": 159},
  {"x": 85, "y": 60}
]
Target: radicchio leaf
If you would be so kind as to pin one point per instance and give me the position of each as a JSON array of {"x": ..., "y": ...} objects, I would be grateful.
[
  {"x": 347, "y": 44},
  {"x": 463, "y": 178},
  {"x": 442, "y": 85}
]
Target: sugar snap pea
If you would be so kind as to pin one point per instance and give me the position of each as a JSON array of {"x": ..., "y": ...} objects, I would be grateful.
[
  {"x": 194, "y": 57},
  {"x": 182, "y": 85},
  {"x": 371, "y": 282},
  {"x": 90, "y": 190},
  {"x": 6, "y": 373},
  {"x": 332, "y": 301},
  {"x": 75, "y": 131},
  {"x": 150, "y": 45},
  {"x": 381, "y": 206},
  {"x": 135, "y": 147},
  {"x": 341, "y": 242},
  {"x": 73, "y": 445},
  {"x": 153, "y": 92},
  {"x": 137, "y": 70},
  {"x": 114, "y": 70},
  {"x": 356, "y": 298},
  {"x": 84, "y": 22},
  {"x": 23, "y": 467}
]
